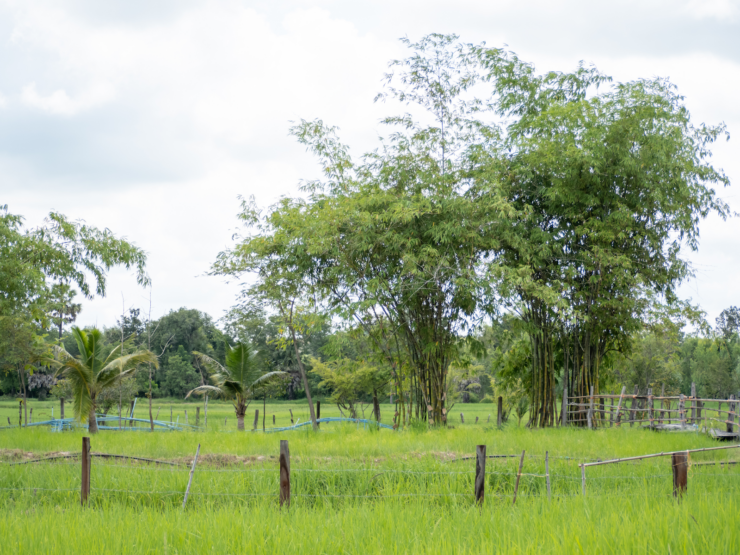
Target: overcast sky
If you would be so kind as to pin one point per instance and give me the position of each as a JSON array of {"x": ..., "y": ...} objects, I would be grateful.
[{"x": 151, "y": 117}]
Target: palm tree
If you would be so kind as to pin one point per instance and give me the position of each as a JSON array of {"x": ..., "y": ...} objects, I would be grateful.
[
  {"x": 234, "y": 380},
  {"x": 90, "y": 373}
]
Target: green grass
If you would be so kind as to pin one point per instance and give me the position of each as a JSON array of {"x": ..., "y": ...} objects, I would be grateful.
[{"x": 362, "y": 491}]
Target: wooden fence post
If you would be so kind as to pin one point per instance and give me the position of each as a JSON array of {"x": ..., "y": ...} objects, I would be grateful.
[
  {"x": 547, "y": 475},
  {"x": 682, "y": 409},
  {"x": 662, "y": 403},
  {"x": 680, "y": 464},
  {"x": 20, "y": 413},
  {"x": 518, "y": 475},
  {"x": 693, "y": 403},
  {"x": 480, "y": 474},
  {"x": 564, "y": 408},
  {"x": 611, "y": 409},
  {"x": 632, "y": 407},
  {"x": 591, "y": 408},
  {"x": 650, "y": 406},
  {"x": 273, "y": 420},
  {"x": 583, "y": 480},
  {"x": 291, "y": 415},
  {"x": 186, "y": 417},
  {"x": 61, "y": 403},
  {"x": 86, "y": 463},
  {"x": 619, "y": 406},
  {"x": 256, "y": 419},
  {"x": 499, "y": 411},
  {"x": 284, "y": 473},
  {"x": 476, "y": 419},
  {"x": 318, "y": 412},
  {"x": 190, "y": 480},
  {"x": 197, "y": 416},
  {"x": 731, "y": 416}
]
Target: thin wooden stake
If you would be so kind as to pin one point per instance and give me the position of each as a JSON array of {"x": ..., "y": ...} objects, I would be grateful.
[
  {"x": 591, "y": 409},
  {"x": 197, "y": 416},
  {"x": 650, "y": 407},
  {"x": 86, "y": 463},
  {"x": 462, "y": 419},
  {"x": 476, "y": 419},
  {"x": 500, "y": 411},
  {"x": 518, "y": 475},
  {"x": 682, "y": 410},
  {"x": 291, "y": 415},
  {"x": 731, "y": 416},
  {"x": 480, "y": 474},
  {"x": 284, "y": 473},
  {"x": 61, "y": 403},
  {"x": 632, "y": 411},
  {"x": 256, "y": 418},
  {"x": 318, "y": 412},
  {"x": 273, "y": 420},
  {"x": 190, "y": 480},
  {"x": 611, "y": 410},
  {"x": 662, "y": 403},
  {"x": 547, "y": 475},
  {"x": 693, "y": 403},
  {"x": 680, "y": 464}
]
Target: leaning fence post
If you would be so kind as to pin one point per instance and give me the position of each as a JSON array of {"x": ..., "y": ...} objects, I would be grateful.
[
  {"x": 518, "y": 475},
  {"x": 291, "y": 415},
  {"x": 680, "y": 464},
  {"x": 462, "y": 419},
  {"x": 284, "y": 473},
  {"x": 480, "y": 474},
  {"x": 190, "y": 480},
  {"x": 86, "y": 460},
  {"x": 547, "y": 475},
  {"x": 256, "y": 418}
]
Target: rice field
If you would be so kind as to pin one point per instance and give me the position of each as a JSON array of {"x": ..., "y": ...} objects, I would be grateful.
[{"x": 356, "y": 490}]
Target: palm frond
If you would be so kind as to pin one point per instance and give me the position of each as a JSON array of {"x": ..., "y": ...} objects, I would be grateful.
[
  {"x": 212, "y": 365},
  {"x": 200, "y": 390}
]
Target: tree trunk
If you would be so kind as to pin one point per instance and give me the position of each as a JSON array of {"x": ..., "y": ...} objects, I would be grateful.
[
  {"x": 376, "y": 405},
  {"x": 92, "y": 421},
  {"x": 240, "y": 422},
  {"x": 305, "y": 380}
]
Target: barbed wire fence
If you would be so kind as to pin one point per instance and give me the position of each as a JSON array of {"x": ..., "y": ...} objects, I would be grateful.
[{"x": 165, "y": 482}]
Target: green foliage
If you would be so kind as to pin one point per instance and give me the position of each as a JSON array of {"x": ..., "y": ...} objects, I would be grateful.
[
  {"x": 179, "y": 375},
  {"x": 62, "y": 389},
  {"x": 120, "y": 393}
]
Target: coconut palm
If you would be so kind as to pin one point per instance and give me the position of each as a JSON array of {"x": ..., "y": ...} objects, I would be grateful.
[
  {"x": 236, "y": 379},
  {"x": 91, "y": 372}
]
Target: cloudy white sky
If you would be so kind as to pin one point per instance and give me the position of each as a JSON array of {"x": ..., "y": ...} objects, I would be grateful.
[{"x": 150, "y": 118}]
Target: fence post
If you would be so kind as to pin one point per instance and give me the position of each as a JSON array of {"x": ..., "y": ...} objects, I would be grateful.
[
  {"x": 611, "y": 409},
  {"x": 291, "y": 415},
  {"x": 547, "y": 475},
  {"x": 693, "y": 403},
  {"x": 318, "y": 412},
  {"x": 518, "y": 475},
  {"x": 632, "y": 407},
  {"x": 650, "y": 406},
  {"x": 682, "y": 409},
  {"x": 20, "y": 413},
  {"x": 186, "y": 418},
  {"x": 256, "y": 418},
  {"x": 680, "y": 464},
  {"x": 731, "y": 415},
  {"x": 284, "y": 473},
  {"x": 480, "y": 474},
  {"x": 662, "y": 403},
  {"x": 583, "y": 480},
  {"x": 197, "y": 416},
  {"x": 273, "y": 420},
  {"x": 61, "y": 403},
  {"x": 619, "y": 406},
  {"x": 499, "y": 411},
  {"x": 190, "y": 480},
  {"x": 476, "y": 419},
  {"x": 591, "y": 408},
  {"x": 86, "y": 461},
  {"x": 564, "y": 408}
]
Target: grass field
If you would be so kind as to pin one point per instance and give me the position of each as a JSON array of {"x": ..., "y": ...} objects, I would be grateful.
[{"x": 364, "y": 491}]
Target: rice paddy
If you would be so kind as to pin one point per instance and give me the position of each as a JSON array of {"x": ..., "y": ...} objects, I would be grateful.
[{"x": 356, "y": 490}]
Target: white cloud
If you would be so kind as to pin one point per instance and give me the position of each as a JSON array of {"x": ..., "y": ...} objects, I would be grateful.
[
  {"x": 60, "y": 103},
  {"x": 712, "y": 9}
]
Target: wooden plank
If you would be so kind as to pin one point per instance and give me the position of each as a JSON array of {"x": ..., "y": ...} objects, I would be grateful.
[
  {"x": 680, "y": 465},
  {"x": 480, "y": 474},
  {"x": 662, "y": 454},
  {"x": 547, "y": 475},
  {"x": 86, "y": 460},
  {"x": 190, "y": 479},
  {"x": 518, "y": 475},
  {"x": 284, "y": 473}
]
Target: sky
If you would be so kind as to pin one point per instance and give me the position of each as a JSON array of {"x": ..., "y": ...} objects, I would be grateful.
[{"x": 153, "y": 118}]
